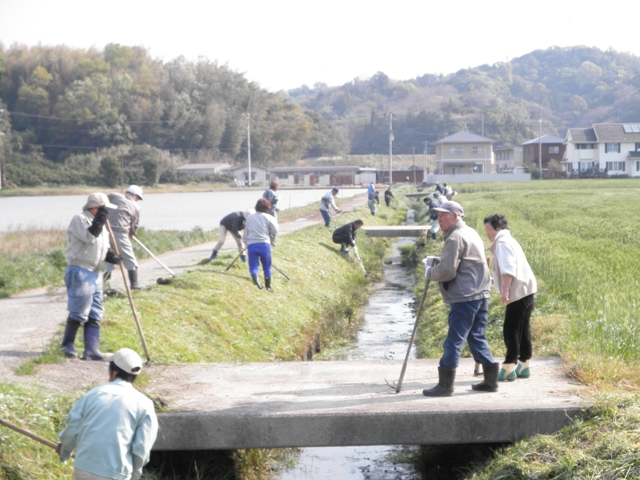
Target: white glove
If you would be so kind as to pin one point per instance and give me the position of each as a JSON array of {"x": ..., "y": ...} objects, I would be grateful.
[
  {"x": 429, "y": 261},
  {"x": 426, "y": 271}
]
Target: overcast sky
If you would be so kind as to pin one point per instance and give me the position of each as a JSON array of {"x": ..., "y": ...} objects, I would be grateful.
[{"x": 283, "y": 44}]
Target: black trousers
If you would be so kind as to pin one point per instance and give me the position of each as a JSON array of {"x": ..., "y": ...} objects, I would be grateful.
[{"x": 517, "y": 330}]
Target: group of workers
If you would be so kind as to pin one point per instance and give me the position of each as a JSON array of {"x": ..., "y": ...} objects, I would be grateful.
[{"x": 113, "y": 427}]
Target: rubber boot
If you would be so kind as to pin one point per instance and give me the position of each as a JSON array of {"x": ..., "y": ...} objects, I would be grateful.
[
  {"x": 444, "y": 388},
  {"x": 133, "y": 280},
  {"x": 490, "y": 382},
  {"x": 433, "y": 235},
  {"x": 243, "y": 258},
  {"x": 70, "y": 331},
  {"x": 267, "y": 284},
  {"x": 522, "y": 370},
  {"x": 256, "y": 281},
  {"x": 508, "y": 373},
  {"x": 344, "y": 249},
  {"x": 213, "y": 256},
  {"x": 91, "y": 341}
]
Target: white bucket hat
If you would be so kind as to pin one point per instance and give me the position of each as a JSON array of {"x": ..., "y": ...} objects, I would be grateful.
[
  {"x": 98, "y": 200},
  {"x": 136, "y": 190}
]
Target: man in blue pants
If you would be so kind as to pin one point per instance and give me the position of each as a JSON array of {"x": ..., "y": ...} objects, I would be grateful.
[{"x": 464, "y": 281}]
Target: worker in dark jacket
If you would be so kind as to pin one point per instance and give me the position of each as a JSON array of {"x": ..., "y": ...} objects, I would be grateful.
[
  {"x": 233, "y": 223},
  {"x": 388, "y": 195},
  {"x": 346, "y": 235}
]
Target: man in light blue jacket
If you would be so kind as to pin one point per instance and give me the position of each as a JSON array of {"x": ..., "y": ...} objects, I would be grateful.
[{"x": 113, "y": 427}]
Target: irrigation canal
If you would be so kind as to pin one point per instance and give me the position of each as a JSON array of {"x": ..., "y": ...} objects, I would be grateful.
[{"x": 384, "y": 335}]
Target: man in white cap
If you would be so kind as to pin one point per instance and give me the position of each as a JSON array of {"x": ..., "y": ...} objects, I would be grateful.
[
  {"x": 113, "y": 427},
  {"x": 463, "y": 277},
  {"x": 124, "y": 223},
  {"x": 87, "y": 248}
]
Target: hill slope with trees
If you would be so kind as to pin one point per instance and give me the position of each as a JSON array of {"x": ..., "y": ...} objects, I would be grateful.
[{"x": 566, "y": 87}]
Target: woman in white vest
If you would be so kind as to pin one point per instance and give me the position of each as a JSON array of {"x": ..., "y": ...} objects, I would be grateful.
[{"x": 514, "y": 279}]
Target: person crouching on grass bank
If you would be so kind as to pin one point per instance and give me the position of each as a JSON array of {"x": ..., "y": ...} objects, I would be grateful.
[
  {"x": 515, "y": 281},
  {"x": 113, "y": 427},
  {"x": 87, "y": 248},
  {"x": 463, "y": 277},
  {"x": 259, "y": 230}
]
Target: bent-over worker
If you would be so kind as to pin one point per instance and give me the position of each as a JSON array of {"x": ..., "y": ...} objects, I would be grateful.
[
  {"x": 346, "y": 235},
  {"x": 233, "y": 223},
  {"x": 87, "y": 248},
  {"x": 124, "y": 223},
  {"x": 113, "y": 427},
  {"x": 326, "y": 204},
  {"x": 463, "y": 277}
]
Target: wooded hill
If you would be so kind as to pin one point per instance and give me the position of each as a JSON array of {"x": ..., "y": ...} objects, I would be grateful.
[
  {"x": 92, "y": 111},
  {"x": 566, "y": 87}
]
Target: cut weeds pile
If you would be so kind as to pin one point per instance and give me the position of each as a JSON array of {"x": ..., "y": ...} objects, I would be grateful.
[{"x": 209, "y": 315}]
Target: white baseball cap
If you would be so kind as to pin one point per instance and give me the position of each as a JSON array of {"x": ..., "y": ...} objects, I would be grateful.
[
  {"x": 136, "y": 190},
  {"x": 128, "y": 361}
]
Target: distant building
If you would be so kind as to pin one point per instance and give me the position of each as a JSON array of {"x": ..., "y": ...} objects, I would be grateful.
[
  {"x": 203, "y": 168},
  {"x": 464, "y": 153},
  {"x": 508, "y": 159},
  {"x": 240, "y": 173},
  {"x": 611, "y": 148},
  {"x": 553, "y": 148},
  {"x": 325, "y": 176}
]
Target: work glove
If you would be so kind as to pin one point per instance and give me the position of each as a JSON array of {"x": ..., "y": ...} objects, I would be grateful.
[
  {"x": 429, "y": 261},
  {"x": 112, "y": 257},
  {"x": 98, "y": 221}
]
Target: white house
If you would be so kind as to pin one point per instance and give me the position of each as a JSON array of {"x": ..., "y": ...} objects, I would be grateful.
[
  {"x": 610, "y": 147},
  {"x": 464, "y": 153},
  {"x": 259, "y": 175},
  {"x": 508, "y": 159}
]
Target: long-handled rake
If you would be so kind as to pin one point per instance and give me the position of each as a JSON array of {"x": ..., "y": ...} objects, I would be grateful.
[
  {"x": 355, "y": 250},
  {"x": 154, "y": 257},
  {"x": 234, "y": 261},
  {"x": 280, "y": 272},
  {"x": 398, "y": 386},
  {"x": 126, "y": 286},
  {"x": 29, "y": 434}
]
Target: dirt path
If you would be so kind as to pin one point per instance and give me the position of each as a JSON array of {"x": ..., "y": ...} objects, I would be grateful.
[{"x": 29, "y": 320}]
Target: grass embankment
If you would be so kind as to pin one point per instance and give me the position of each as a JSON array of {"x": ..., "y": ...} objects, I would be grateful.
[
  {"x": 580, "y": 238},
  {"x": 209, "y": 315}
]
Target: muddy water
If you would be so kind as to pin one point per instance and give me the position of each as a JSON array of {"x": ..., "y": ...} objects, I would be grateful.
[{"x": 385, "y": 333}]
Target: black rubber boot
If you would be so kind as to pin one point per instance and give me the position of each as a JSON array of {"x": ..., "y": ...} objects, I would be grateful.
[
  {"x": 256, "y": 281},
  {"x": 344, "y": 249},
  {"x": 490, "y": 382},
  {"x": 267, "y": 284},
  {"x": 92, "y": 340},
  {"x": 433, "y": 235},
  {"x": 444, "y": 388},
  {"x": 70, "y": 331},
  {"x": 133, "y": 280}
]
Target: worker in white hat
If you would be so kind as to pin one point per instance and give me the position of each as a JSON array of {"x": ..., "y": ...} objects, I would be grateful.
[
  {"x": 124, "y": 223},
  {"x": 113, "y": 427}
]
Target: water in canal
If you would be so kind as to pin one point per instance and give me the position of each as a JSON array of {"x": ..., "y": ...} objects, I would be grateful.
[{"x": 385, "y": 332}]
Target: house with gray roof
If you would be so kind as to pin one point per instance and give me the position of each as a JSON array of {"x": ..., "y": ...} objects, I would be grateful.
[
  {"x": 612, "y": 148},
  {"x": 553, "y": 148},
  {"x": 464, "y": 153}
]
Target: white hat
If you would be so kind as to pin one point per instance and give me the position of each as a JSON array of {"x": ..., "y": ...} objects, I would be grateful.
[
  {"x": 98, "y": 200},
  {"x": 136, "y": 190},
  {"x": 128, "y": 361},
  {"x": 246, "y": 214}
]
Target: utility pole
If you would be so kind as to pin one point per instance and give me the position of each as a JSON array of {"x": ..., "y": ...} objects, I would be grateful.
[
  {"x": 414, "y": 167},
  {"x": 540, "y": 146},
  {"x": 249, "y": 146},
  {"x": 390, "y": 149},
  {"x": 425, "y": 161}
]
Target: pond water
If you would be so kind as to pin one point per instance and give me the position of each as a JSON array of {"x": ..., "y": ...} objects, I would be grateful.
[{"x": 160, "y": 211}]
